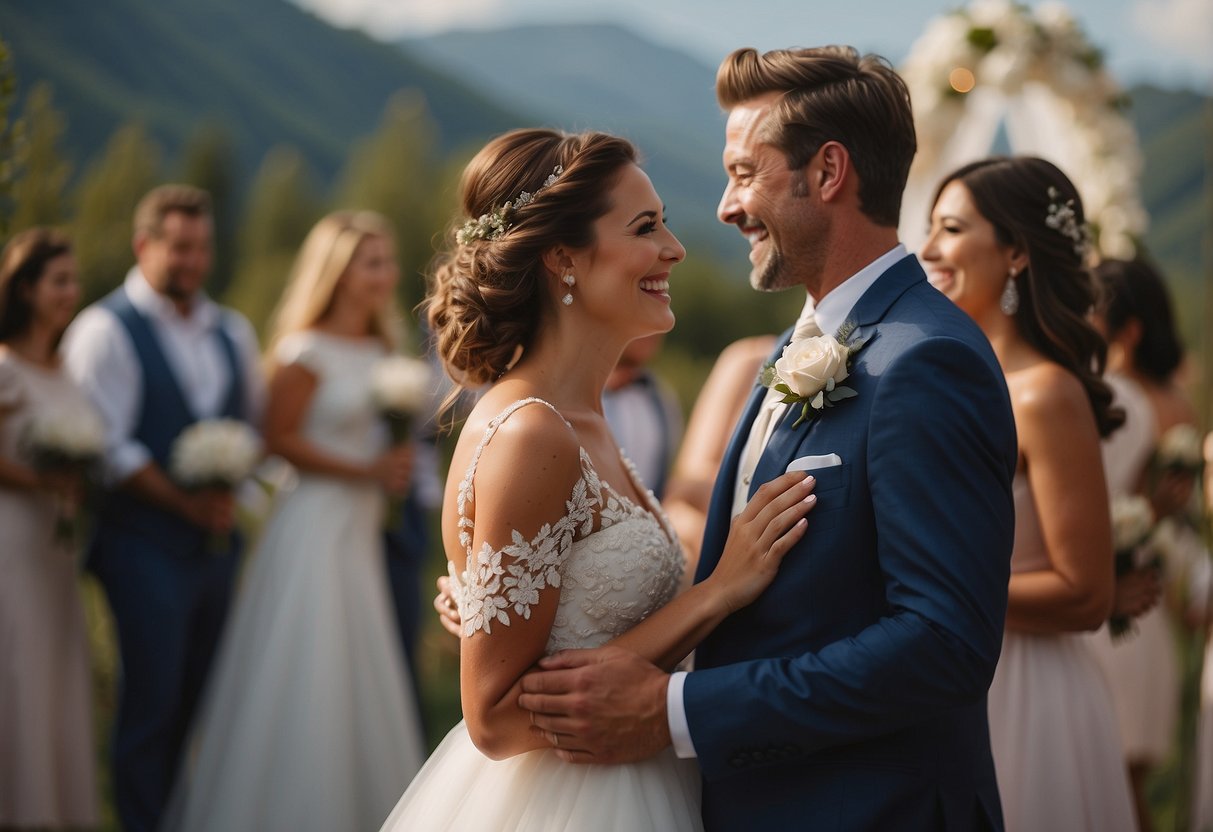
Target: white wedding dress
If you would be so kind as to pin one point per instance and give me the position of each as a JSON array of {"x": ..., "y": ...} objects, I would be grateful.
[
  {"x": 308, "y": 721},
  {"x": 615, "y": 563}
]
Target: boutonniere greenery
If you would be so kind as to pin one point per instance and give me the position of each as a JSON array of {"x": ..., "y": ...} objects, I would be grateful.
[{"x": 811, "y": 372}]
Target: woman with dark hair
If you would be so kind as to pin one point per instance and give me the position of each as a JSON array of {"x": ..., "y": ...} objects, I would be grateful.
[
  {"x": 1007, "y": 244},
  {"x": 560, "y": 259},
  {"x": 1144, "y": 354},
  {"x": 47, "y": 777}
]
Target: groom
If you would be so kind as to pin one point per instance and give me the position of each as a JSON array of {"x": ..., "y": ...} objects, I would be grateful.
[{"x": 852, "y": 694}]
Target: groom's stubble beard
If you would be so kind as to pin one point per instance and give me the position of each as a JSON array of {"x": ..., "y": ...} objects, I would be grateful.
[{"x": 803, "y": 264}]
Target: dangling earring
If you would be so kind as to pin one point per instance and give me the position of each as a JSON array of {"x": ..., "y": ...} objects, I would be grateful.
[
  {"x": 569, "y": 281},
  {"x": 1009, "y": 302}
]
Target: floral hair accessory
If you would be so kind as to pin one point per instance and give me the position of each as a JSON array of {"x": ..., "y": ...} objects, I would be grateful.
[
  {"x": 491, "y": 226},
  {"x": 1063, "y": 219}
]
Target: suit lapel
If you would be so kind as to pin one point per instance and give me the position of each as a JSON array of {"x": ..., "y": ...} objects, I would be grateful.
[{"x": 786, "y": 441}]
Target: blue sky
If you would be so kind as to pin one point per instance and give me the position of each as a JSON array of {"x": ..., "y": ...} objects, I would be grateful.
[{"x": 1165, "y": 41}]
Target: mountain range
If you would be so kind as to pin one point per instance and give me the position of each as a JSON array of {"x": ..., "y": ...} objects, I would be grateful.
[{"x": 271, "y": 73}]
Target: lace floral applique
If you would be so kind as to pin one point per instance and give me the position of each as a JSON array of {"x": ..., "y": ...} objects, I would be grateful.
[{"x": 499, "y": 580}]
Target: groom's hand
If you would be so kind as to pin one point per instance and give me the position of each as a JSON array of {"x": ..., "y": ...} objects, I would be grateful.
[{"x": 598, "y": 706}]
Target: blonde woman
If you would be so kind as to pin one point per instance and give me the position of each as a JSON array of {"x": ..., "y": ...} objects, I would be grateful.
[{"x": 309, "y": 722}]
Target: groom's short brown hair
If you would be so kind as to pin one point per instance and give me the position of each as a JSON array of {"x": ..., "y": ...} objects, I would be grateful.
[{"x": 832, "y": 93}]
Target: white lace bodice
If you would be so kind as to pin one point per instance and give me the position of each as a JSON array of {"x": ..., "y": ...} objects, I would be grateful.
[{"x": 613, "y": 561}]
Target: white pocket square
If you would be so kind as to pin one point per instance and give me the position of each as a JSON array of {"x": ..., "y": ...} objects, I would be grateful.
[{"x": 812, "y": 463}]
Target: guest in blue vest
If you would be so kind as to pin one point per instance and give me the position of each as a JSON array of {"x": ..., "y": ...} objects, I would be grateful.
[{"x": 155, "y": 356}]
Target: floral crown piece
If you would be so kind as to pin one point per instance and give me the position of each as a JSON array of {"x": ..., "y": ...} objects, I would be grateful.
[
  {"x": 1063, "y": 219},
  {"x": 491, "y": 226}
]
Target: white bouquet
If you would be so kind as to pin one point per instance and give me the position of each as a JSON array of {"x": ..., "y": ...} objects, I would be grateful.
[
  {"x": 1180, "y": 449},
  {"x": 1132, "y": 525},
  {"x": 215, "y": 453},
  {"x": 401, "y": 388},
  {"x": 67, "y": 443},
  {"x": 70, "y": 440}
]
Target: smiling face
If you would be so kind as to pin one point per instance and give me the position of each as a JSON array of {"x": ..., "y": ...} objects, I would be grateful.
[
  {"x": 371, "y": 276},
  {"x": 963, "y": 256},
  {"x": 624, "y": 277},
  {"x": 55, "y": 295},
  {"x": 177, "y": 260},
  {"x": 770, "y": 204}
]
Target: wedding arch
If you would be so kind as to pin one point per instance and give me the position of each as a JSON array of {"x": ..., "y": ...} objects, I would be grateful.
[{"x": 1034, "y": 73}]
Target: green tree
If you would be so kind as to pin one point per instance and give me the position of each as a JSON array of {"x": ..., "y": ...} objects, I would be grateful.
[
  {"x": 11, "y": 138},
  {"x": 282, "y": 207},
  {"x": 209, "y": 163},
  {"x": 105, "y": 202},
  {"x": 39, "y": 193},
  {"x": 396, "y": 172}
]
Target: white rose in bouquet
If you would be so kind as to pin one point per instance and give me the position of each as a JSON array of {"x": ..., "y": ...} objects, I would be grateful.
[
  {"x": 65, "y": 439},
  {"x": 1180, "y": 448},
  {"x": 215, "y": 453},
  {"x": 1132, "y": 525},
  {"x": 68, "y": 443},
  {"x": 1132, "y": 521},
  {"x": 401, "y": 388}
]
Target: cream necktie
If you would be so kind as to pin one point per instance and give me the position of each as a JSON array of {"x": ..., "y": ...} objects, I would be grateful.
[{"x": 768, "y": 416}]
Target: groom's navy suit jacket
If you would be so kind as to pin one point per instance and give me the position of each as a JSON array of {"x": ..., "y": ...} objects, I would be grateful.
[{"x": 852, "y": 694}]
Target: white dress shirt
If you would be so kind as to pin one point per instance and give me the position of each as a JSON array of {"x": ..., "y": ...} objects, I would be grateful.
[
  {"x": 831, "y": 312},
  {"x": 101, "y": 358}
]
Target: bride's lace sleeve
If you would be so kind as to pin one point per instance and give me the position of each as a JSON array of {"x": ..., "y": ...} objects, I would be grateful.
[{"x": 503, "y": 581}]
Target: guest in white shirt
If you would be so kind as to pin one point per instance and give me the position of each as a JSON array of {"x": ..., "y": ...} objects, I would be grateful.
[{"x": 155, "y": 356}]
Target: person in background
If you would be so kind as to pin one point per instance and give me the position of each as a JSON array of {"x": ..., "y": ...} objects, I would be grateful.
[
  {"x": 47, "y": 764},
  {"x": 156, "y": 356},
  {"x": 308, "y": 721},
  {"x": 1007, "y": 244},
  {"x": 643, "y": 413},
  {"x": 1144, "y": 356},
  {"x": 718, "y": 407}
]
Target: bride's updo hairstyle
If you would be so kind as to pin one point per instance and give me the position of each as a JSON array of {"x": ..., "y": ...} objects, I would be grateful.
[{"x": 487, "y": 293}]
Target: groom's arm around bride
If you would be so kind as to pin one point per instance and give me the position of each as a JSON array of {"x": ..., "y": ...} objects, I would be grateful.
[{"x": 851, "y": 694}]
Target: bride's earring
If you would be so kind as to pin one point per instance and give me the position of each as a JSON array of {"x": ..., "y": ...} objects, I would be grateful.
[
  {"x": 1009, "y": 302},
  {"x": 569, "y": 281}
]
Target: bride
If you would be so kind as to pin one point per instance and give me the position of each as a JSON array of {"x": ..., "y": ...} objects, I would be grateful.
[{"x": 553, "y": 542}]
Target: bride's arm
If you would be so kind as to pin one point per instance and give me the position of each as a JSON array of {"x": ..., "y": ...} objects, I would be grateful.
[{"x": 522, "y": 494}]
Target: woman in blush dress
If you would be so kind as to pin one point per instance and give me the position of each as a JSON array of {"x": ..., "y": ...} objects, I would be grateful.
[
  {"x": 308, "y": 722},
  {"x": 47, "y": 776},
  {"x": 1144, "y": 356},
  {"x": 561, "y": 258},
  {"x": 1007, "y": 244}
]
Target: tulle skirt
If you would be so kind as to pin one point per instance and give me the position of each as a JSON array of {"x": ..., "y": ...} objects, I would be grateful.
[{"x": 459, "y": 788}]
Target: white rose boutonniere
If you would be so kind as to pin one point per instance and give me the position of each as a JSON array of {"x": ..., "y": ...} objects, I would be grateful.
[{"x": 811, "y": 372}]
